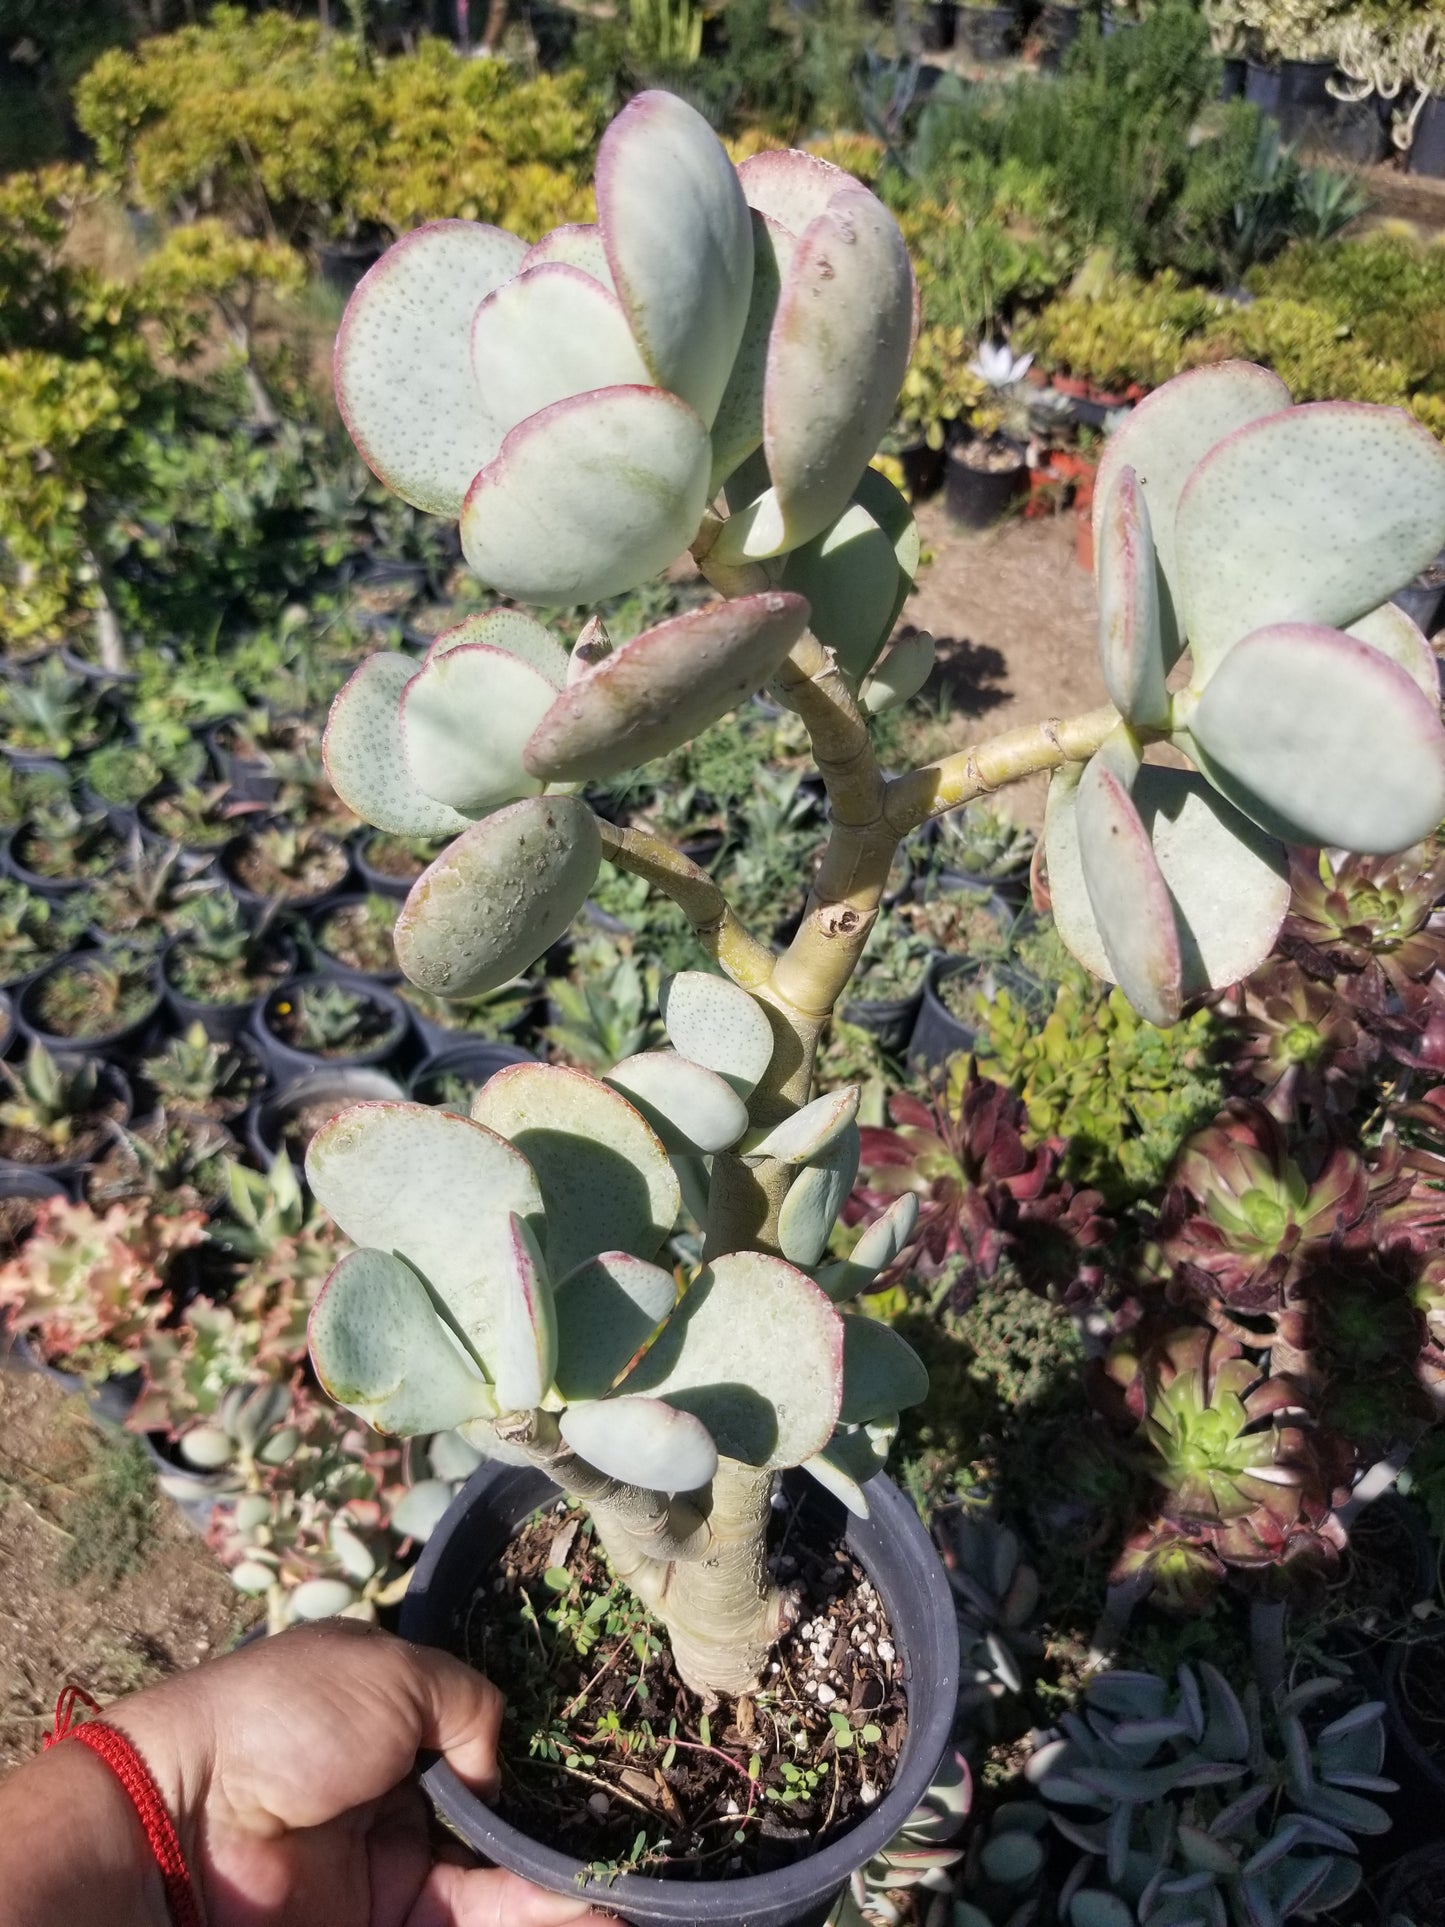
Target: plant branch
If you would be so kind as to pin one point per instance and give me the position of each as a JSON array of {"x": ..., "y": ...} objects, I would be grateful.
[
  {"x": 811, "y": 683},
  {"x": 983, "y": 767},
  {"x": 718, "y": 926}
]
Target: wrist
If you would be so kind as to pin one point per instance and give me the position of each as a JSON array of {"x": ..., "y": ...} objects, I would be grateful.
[{"x": 72, "y": 1846}]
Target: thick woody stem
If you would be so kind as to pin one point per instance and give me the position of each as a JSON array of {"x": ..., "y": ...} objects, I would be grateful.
[
  {"x": 939, "y": 787},
  {"x": 719, "y": 928}
]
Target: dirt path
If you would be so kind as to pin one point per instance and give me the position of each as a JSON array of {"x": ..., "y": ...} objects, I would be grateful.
[
  {"x": 1014, "y": 618},
  {"x": 100, "y": 1582}
]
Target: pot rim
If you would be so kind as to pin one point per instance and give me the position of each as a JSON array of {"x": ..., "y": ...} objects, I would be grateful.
[{"x": 911, "y": 1563}]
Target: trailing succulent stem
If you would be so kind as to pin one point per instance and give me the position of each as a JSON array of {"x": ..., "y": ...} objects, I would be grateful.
[{"x": 733, "y": 339}]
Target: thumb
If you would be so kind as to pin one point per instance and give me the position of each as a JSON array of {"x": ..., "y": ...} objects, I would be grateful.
[
  {"x": 481, "y": 1897},
  {"x": 461, "y": 1716}
]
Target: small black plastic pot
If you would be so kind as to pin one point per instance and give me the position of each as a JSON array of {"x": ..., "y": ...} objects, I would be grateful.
[
  {"x": 938, "y": 1034},
  {"x": 222, "y": 1023},
  {"x": 332, "y": 966},
  {"x": 1427, "y": 150},
  {"x": 923, "y": 469},
  {"x": 255, "y": 900},
  {"x": 1302, "y": 83},
  {"x": 66, "y": 1173},
  {"x": 1232, "y": 79},
  {"x": 938, "y": 26},
  {"x": 337, "y": 1086},
  {"x": 476, "y": 1062},
  {"x": 890, "y": 1020},
  {"x": 194, "y": 1493},
  {"x": 283, "y": 1060},
  {"x": 343, "y": 263},
  {"x": 374, "y": 879},
  {"x": 1264, "y": 86},
  {"x": 976, "y": 498},
  {"x": 250, "y": 779},
  {"x": 898, "y": 1557},
  {"x": 1059, "y": 26},
  {"x": 27, "y": 1001},
  {"x": 988, "y": 33},
  {"x": 93, "y": 672},
  {"x": 41, "y": 886}
]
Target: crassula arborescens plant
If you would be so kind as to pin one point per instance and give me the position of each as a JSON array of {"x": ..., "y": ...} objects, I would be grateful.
[{"x": 709, "y": 369}]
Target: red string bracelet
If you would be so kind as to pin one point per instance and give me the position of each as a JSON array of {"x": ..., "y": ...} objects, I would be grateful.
[{"x": 111, "y": 1745}]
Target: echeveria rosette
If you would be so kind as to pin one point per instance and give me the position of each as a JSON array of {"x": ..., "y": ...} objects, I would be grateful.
[
  {"x": 508, "y": 1279},
  {"x": 577, "y": 404},
  {"x": 1263, "y": 539}
]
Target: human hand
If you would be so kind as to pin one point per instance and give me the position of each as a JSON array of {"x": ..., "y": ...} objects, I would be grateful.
[{"x": 286, "y": 1769}]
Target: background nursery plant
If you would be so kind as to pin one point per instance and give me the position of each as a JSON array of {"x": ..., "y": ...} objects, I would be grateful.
[{"x": 708, "y": 370}]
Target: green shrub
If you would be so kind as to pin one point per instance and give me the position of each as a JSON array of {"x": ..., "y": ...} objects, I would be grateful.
[
  {"x": 1388, "y": 290},
  {"x": 283, "y": 132}
]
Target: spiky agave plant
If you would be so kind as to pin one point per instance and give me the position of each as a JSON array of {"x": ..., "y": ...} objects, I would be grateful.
[{"x": 709, "y": 368}]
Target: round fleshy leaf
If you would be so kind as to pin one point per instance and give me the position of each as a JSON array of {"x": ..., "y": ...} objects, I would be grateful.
[
  {"x": 756, "y": 1352},
  {"x": 496, "y": 898},
  {"x": 875, "y": 1251},
  {"x": 896, "y": 519},
  {"x": 427, "y": 1185},
  {"x": 815, "y": 1197},
  {"x": 690, "y": 1107},
  {"x": 1227, "y": 880},
  {"x": 717, "y": 1024},
  {"x": 606, "y": 1311},
  {"x": 1391, "y": 631},
  {"x": 1128, "y": 894},
  {"x": 849, "y": 575},
  {"x": 664, "y": 687},
  {"x": 606, "y": 1182},
  {"x": 836, "y": 361},
  {"x": 1165, "y": 438},
  {"x": 853, "y": 1455},
  {"x": 1073, "y": 914},
  {"x": 1313, "y": 516},
  {"x": 1320, "y": 738},
  {"x": 1131, "y": 647},
  {"x": 737, "y": 428},
  {"x": 317, "y": 1599},
  {"x": 421, "y": 1509},
  {"x": 679, "y": 243},
  {"x": 513, "y": 632},
  {"x": 589, "y": 497},
  {"x": 812, "y": 1128},
  {"x": 881, "y": 1372},
  {"x": 900, "y": 675},
  {"x": 547, "y": 334},
  {"x": 523, "y": 1355},
  {"x": 791, "y": 187},
  {"x": 578, "y": 244},
  {"x": 403, "y": 368},
  {"x": 362, "y": 750},
  {"x": 381, "y": 1351},
  {"x": 642, "y": 1441},
  {"x": 465, "y": 719}
]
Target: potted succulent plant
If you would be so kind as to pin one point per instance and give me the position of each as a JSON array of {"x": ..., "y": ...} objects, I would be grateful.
[
  {"x": 515, "y": 1273},
  {"x": 279, "y": 864},
  {"x": 55, "y": 1114},
  {"x": 452, "y": 1077},
  {"x": 311, "y": 1021},
  {"x": 200, "y": 817},
  {"x": 354, "y": 937},
  {"x": 981, "y": 849},
  {"x": 285, "y": 1120},
  {"x": 93, "y": 998},
  {"x": 390, "y": 865},
  {"x": 197, "y": 1076},
  {"x": 884, "y": 996},
  {"x": 218, "y": 964},
  {"x": 59, "y": 849}
]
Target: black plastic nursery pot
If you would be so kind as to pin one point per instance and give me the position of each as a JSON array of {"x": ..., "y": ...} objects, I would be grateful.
[
  {"x": 890, "y": 1020},
  {"x": 923, "y": 469},
  {"x": 476, "y": 1063},
  {"x": 1231, "y": 79},
  {"x": 27, "y": 1004},
  {"x": 1263, "y": 86},
  {"x": 110, "y": 1402},
  {"x": 223, "y": 1023},
  {"x": 1423, "y": 600},
  {"x": 379, "y": 881},
  {"x": 257, "y": 901},
  {"x": 976, "y": 498},
  {"x": 250, "y": 779},
  {"x": 289, "y": 1060},
  {"x": 65, "y": 1173},
  {"x": 1058, "y": 28},
  {"x": 322, "y": 1093},
  {"x": 938, "y": 1034},
  {"x": 41, "y": 886},
  {"x": 899, "y": 1559},
  {"x": 988, "y": 33},
  {"x": 327, "y": 960},
  {"x": 1427, "y": 150},
  {"x": 938, "y": 26}
]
